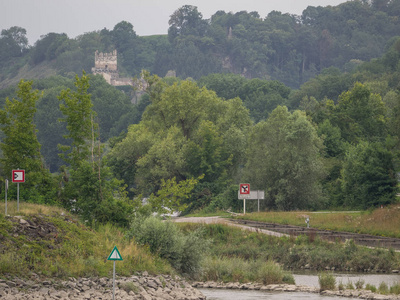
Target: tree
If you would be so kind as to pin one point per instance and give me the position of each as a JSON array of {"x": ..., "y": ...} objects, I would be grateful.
[
  {"x": 185, "y": 132},
  {"x": 20, "y": 145},
  {"x": 77, "y": 110},
  {"x": 186, "y": 21},
  {"x": 360, "y": 115},
  {"x": 89, "y": 186},
  {"x": 368, "y": 176},
  {"x": 284, "y": 160}
]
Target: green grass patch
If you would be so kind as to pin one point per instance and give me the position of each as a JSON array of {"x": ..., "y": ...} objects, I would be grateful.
[
  {"x": 380, "y": 222},
  {"x": 56, "y": 244},
  {"x": 293, "y": 253}
]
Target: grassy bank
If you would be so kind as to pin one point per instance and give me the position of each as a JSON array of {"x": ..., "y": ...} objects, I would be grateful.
[
  {"x": 381, "y": 222},
  {"x": 55, "y": 244},
  {"x": 230, "y": 243}
]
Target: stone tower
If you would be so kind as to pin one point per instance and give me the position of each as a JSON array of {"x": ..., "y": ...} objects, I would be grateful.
[{"x": 106, "y": 65}]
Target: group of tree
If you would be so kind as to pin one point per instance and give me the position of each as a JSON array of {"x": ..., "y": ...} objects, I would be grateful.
[
  {"x": 334, "y": 142},
  {"x": 280, "y": 46}
]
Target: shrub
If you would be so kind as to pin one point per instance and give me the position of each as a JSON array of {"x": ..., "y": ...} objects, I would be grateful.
[
  {"x": 184, "y": 252},
  {"x": 383, "y": 288},
  {"x": 129, "y": 287},
  {"x": 370, "y": 287},
  {"x": 395, "y": 289},
  {"x": 349, "y": 285},
  {"x": 340, "y": 286},
  {"x": 326, "y": 281},
  {"x": 359, "y": 284}
]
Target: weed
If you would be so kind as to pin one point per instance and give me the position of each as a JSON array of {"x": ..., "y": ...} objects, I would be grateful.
[
  {"x": 359, "y": 284},
  {"x": 129, "y": 287},
  {"x": 349, "y": 285},
  {"x": 326, "y": 281},
  {"x": 340, "y": 286},
  {"x": 383, "y": 288},
  {"x": 395, "y": 289},
  {"x": 370, "y": 287}
]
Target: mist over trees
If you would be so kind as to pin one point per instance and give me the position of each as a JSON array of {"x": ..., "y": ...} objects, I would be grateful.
[{"x": 305, "y": 107}]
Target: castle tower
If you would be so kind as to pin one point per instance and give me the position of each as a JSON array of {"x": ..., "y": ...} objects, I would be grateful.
[{"x": 106, "y": 65}]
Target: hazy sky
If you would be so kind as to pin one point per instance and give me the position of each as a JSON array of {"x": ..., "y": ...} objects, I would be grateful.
[{"x": 75, "y": 17}]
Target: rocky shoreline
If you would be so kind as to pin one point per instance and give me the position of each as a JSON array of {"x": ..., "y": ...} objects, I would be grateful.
[
  {"x": 141, "y": 287},
  {"x": 147, "y": 287},
  {"x": 360, "y": 294}
]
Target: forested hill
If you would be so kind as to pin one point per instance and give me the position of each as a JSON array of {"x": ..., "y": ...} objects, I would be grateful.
[{"x": 288, "y": 48}]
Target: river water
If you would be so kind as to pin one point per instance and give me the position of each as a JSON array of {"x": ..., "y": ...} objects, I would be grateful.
[{"x": 308, "y": 279}]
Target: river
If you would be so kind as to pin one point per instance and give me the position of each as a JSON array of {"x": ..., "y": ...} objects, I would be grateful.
[{"x": 306, "y": 278}]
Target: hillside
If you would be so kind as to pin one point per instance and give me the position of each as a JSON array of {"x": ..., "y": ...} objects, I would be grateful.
[
  {"x": 277, "y": 46},
  {"x": 49, "y": 242}
]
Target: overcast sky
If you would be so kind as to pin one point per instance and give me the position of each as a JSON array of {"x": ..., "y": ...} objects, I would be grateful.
[{"x": 75, "y": 17}]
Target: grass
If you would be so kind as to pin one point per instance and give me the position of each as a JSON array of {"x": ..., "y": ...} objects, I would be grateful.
[
  {"x": 294, "y": 253},
  {"x": 236, "y": 269},
  {"x": 70, "y": 250},
  {"x": 381, "y": 222},
  {"x": 326, "y": 281}
]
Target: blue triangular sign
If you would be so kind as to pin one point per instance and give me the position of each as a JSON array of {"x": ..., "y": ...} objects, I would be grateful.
[{"x": 115, "y": 255}]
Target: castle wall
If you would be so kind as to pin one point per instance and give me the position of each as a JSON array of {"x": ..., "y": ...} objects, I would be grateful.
[{"x": 106, "y": 61}]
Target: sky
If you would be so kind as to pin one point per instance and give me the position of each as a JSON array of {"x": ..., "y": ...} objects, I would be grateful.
[{"x": 148, "y": 17}]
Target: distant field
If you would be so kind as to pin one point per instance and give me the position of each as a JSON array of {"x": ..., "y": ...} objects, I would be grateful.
[{"x": 382, "y": 221}]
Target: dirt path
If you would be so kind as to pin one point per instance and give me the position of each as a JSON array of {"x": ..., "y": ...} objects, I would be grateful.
[{"x": 285, "y": 230}]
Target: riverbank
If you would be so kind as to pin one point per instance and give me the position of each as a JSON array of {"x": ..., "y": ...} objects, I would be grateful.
[
  {"x": 285, "y": 288},
  {"x": 137, "y": 287}
]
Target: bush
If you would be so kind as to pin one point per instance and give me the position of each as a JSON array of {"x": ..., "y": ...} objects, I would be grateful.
[
  {"x": 395, "y": 289},
  {"x": 184, "y": 252},
  {"x": 383, "y": 288},
  {"x": 370, "y": 287},
  {"x": 228, "y": 269},
  {"x": 326, "y": 281},
  {"x": 359, "y": 284}
]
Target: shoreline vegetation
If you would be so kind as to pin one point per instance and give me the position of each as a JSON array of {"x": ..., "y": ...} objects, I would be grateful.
[{"x": 51, "y": 243}]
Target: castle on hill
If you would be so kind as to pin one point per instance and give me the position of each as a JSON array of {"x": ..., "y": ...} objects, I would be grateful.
[{"x": 105, "y": 64}]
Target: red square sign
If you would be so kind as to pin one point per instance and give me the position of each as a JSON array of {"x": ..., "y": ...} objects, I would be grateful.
[
  {"x": 244, "y": 189},
  {"x": 18, "y": 176}
]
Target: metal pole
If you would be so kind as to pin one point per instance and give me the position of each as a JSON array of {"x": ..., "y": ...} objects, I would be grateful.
[
  {"x": 6, "y": 182},
  {"x": 244, "y": 206},
  {"x": 114, "y": 281},
  {"x": 18, "y": 196},
  {"x": 258, "y": 200}
]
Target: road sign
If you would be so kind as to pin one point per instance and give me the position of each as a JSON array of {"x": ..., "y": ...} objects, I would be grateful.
[
  {"x": 244, "y": 189},
  {"x": 253, "y": 195},
  {"x": 18, "y": 176},
  {"x": 115, "y": 255}
]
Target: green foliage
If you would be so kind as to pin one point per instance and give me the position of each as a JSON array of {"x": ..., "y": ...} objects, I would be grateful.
[
  {"x": 326, "y": 281},
  {"x": 77, "y": 110},
  {"x": 185, "y": 132},
  {"x": 383, "y": 288},
  {"x": 370, "y": 287},
  {"x": 184, "y": 252},
  {"x": 20, "y": 146},
  {"x": 284, "y": 159},
  {"x": 368, "y": 176},
  {"x": 227, "y": 269},
  {"x": 69, "y": 248},
  {"x": 171, "y": 195}
]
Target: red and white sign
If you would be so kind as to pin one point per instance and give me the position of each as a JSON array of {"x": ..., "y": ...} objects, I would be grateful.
[
  {"x": 18, "y": 176},
  {"x": 244, "y": 189}
]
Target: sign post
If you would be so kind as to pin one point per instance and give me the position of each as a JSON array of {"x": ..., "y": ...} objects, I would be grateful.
[
  {"x": 5, "y": 193},
  {"x": 114, "y": 255},
  {"x": 17, "y": 177},
  {"x": 259, "y": 195},
  {"x": 244, "y": 190}
]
